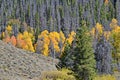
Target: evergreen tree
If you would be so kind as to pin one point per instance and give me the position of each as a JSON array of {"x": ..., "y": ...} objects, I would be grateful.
[
  {"x": 103, "y": 56},
  {"x": 65, "y": 59},
  {"x": 83, "y": 56}
]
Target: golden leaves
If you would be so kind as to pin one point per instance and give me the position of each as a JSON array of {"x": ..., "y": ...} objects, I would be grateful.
[
  {"x": 115, "y": 33},
  {"x": 107, "y": 34},
  {"x": 53, "y": 39},
  {"x": 99, "y": 28},
  {"x": 13, "y": 40},
  {"x": 71, "y": 37},
  {"x": 62, "y": 36},
  {"x": 9, "y": 28},
  {"x": 114, "y": 23},
  {"x": 97, "y": 31},
  {"x": 24, "y": 41},
  {"x": 46, "y": 40}
]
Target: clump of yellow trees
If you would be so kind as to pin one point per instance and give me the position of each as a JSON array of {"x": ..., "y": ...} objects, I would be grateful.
[
  {"x": 52, "y": 42},
  {"x": 48, "y": 42},
  {"x": 22, "y": 40}
]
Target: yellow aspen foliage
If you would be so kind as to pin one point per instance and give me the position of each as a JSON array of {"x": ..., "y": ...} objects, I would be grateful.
[
  {"x": 107, "y": 34},
  {"x": 45, "y": 32},
  {"x": 92, "y": 32},
  {"x": 20, "y": 40},
  {"x": 28, "y": 39},
  {"x": 63, "y": 48},
  {"x": 62, "y": 37},
  {"x": 47, "y": 40},
  {"x": 51, "y": 35},
  {"x": 99, "y": 28},
  {"x": 24, "y": 41},
  {"x": 97, "y": 31},
  {"x": 25, "y": 34},
  {"x": 114, "y": 23},
  {"x": 9, "y": 28},
  {"x": 13, "y": 41},
  {"x": 73, "y": 33},
  {"x": 45, "y": 50},
  {"x": 115, "y": 34},
  {"x": 44, "y": 38},
  {"x": 56, "y": 36},
  {"x": 29, "y": 44},
  {"x": 56, "y": 47},
  {"x": 53, "y": 40},
  {"x": 19, "y": 36},
  {"x": 31, "y": 36},
  {"x": 71, "y": 37}
]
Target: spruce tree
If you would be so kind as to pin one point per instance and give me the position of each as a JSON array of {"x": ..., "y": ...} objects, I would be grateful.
[
  {"x": 103, "y": 56},
  {"x": 83, "y": 56},
  {"x": 65, "y": 59}
]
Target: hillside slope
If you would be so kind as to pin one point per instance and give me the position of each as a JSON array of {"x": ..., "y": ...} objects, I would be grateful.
[{"x": 17, "y": 64}]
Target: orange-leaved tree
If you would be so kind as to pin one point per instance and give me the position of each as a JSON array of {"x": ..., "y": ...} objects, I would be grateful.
[
  {"x": 13, "y": 40},
  {"x": 24, "y": 41}
]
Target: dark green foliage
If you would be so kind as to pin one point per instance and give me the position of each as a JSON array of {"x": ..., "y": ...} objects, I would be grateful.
[
  {"x": 83, "y": 56},
  {"x": 66, "y": 60},
  {"x": 55, "y": 15}
]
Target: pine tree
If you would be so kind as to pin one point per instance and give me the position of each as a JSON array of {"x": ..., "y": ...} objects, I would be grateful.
[
  {"x": 83, "y": 56},
  {"x": 65, "y": 59},
  {"x": 103, "y": 56}
]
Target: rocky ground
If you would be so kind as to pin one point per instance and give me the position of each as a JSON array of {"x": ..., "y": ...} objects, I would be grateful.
[
  {"x": 117, "y": 75},
  {"x": 18, "y": 64}
]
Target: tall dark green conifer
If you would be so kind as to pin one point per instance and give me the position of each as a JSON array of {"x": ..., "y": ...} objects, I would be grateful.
[
  {"x": 66, "y": 60},
  {"x": 103, "y": 56},
  {"x": 83, "y": 56}
]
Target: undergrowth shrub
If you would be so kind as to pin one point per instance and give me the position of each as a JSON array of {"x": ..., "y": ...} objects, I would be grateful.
[
  {"x": 63, "y": 74},
  {"x": 105, "y": 77}
]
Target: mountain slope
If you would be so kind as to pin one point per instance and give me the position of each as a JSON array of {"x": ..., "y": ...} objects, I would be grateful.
[{"x": 23, "y": 65}]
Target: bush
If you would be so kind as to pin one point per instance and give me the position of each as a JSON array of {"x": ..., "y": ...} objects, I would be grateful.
[
  {"x": 105, "y": 77},
  {"x": 64, "y": 74}
]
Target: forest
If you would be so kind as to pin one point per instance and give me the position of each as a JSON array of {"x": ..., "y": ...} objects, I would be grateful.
[{"x": 82, "y": 34}]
